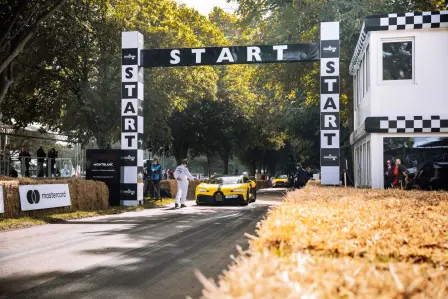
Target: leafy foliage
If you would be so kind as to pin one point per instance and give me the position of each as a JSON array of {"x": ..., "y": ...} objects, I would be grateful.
[{"x": 67, "y": 77}]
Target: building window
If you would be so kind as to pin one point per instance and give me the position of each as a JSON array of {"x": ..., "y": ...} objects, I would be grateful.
[
  {"x": 364, "y": 74},
  {"x": 355, "y": 92},
  {"x": 368, "y": 68},
  {"x": 398, "y": 63}
]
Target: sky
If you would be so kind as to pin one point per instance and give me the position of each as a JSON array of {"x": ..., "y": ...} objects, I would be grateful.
[{"x": 206, "y": 6}]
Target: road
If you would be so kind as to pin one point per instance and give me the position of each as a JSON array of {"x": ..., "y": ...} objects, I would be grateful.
[{"x": 144, "y": 254}]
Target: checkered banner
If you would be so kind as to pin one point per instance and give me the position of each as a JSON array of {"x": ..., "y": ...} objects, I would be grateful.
[
  {"x": 329, "y": 103},
  {"x": 407, "y": 124},
  {"x": 408, "y": 20},
  {"x": 131, "y": 187}
]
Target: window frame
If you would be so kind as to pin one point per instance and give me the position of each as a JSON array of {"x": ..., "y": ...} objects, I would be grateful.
[
  {"x": 380, "y": 61},
  {"x": 368, "y": 68}
]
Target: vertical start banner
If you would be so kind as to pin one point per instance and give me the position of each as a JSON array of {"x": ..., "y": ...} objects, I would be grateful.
[
  {"x": 132, "y": 93},
  {"x": 329, "y": 103}
]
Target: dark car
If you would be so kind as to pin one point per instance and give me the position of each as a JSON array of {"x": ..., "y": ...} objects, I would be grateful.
[{"x": 429, "y": 176}]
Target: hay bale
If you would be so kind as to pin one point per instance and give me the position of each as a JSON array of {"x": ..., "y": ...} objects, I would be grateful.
[
  {"x": 85, "y": 195},
  {"x": 267, "y": 275},
  {"x": 171, "y": 185},
  {"x": 313, "y": 183},
  {"x": 329, "y": 242}
]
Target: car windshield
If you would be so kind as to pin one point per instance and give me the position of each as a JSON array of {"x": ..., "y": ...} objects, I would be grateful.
[
  {"x": 225, "y": 180},
  {"x": 281, "y": 176}
]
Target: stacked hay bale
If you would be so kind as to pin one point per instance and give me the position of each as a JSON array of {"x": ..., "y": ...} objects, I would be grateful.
[{"x": 85, "y": 195}]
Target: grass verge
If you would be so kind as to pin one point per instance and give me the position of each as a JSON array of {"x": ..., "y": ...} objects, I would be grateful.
[
  {"x": 327, "y": 242},
  {"x": 10, "y": 224}
]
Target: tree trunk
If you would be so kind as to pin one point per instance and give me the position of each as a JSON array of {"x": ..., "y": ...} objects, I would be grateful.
[
  {"x": 225, "y": 161},
  {"x": 253, "y": 168},
  {"x": 209, "y": 162}
]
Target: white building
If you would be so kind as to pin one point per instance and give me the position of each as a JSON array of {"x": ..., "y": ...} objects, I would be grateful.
[{"x": 400, "y": 75}]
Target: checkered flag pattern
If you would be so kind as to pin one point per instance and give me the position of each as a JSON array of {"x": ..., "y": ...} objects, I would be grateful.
[
  {"x": 409, "y": 20},
  {"x": 407, "y": 124}
]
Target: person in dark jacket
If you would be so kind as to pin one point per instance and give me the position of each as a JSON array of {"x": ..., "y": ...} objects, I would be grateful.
[
  {"x": 156, "y": 177},
  {"x": 41, "y": 155},
  {"x": 388, "y": 174},
  {"x": 300, "y": 177},
  {"x": 52, "y": 155},
  {"x": 309, "y": 174},
  {"x": 25, "y": 160}
]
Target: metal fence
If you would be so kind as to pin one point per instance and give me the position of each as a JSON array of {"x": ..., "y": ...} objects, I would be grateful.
[{"x": 15, "y": 166}]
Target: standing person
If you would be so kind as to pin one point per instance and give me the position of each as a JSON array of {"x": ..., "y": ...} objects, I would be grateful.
[
  {"x": 388, "y": 175},
  {"x": 301, "y": 176},
  {"x": 182, "y": 175},
  {"x": 51, "y": 162},
  {"x": 156, "y": 176},
  {"x": 41, "y": 155},
  {"x": 25, "y": 160},
  {"x": 399, "y": 174},
  {"x": 309, "y": 174},
  {"x": 236, "y": 171},
  {"x": 164, "y": 175},
  {"x": 146, "y": 177}
]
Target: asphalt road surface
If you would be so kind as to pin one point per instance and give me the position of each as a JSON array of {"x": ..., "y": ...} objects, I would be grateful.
[{"x": 145, "y": 254}]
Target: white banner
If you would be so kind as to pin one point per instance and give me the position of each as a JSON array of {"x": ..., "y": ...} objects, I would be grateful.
[
  {"x": 37, "y": 197},
  {"x": 2, "y": 202}
]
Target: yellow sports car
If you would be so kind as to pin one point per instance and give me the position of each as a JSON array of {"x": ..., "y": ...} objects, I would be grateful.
[
  {"x": 281, "y": 180},
  {"x": 226, "y": 188}
]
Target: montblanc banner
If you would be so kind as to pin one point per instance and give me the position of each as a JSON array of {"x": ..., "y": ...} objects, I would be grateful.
[
  {"x": 230, "y": 55},
  {"x": 37, "y": 197}
]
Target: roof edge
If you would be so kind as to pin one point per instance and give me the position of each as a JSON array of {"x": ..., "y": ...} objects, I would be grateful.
[{"x": 397, "y": 21}]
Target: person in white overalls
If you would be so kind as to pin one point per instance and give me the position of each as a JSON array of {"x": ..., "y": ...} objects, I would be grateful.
[{"x": 182, "y": 175}]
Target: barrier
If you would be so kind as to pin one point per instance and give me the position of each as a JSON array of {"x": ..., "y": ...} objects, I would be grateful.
[{"x": 85, "y": 195}]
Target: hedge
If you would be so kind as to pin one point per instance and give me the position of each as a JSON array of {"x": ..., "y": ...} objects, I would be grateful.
[
  {"x": 335, "y": 242},
  {"x": 85, "y": 195}
]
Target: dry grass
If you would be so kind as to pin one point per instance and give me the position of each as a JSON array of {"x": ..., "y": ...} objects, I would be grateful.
[
  {"x": 300, "y": 275},
  {"x": 326, "y": 242},
  {"x": 377, "y": 225}
]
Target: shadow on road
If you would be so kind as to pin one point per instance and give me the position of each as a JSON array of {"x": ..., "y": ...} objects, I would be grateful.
[{"x": 170, "y": 245}]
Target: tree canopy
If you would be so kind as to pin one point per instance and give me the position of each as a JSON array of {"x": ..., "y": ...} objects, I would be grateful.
[{"x": 61, "y": 67}]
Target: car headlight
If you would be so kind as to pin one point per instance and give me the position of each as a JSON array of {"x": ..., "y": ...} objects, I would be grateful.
[
  {"x": 202, "y": 190},
  {"x": 238, "y": 190}
]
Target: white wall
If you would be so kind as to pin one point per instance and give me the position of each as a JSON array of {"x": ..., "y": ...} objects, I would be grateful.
[{"x": 427, "y": 93}]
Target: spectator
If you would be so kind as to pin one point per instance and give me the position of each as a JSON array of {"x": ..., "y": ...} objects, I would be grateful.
[
  {"x": 156, "y": 176},
  {"x": 399, "y": 174},
  {"x": 41, "y": 155},
  {"x": 25, "y": 160},
  {"x": 170, "y": 174},
  {"x": 388, "y": 174},
  {"x": 301, "y": 177},
  {"x": 51, "y": 162},
  {"x": 309, "y": 174},
  {"x": 236, "y": 171},
  {"x": 164, "y": 175}
]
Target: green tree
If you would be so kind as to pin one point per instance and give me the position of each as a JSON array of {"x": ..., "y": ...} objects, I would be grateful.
[{"x": 19, "y": 21}]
